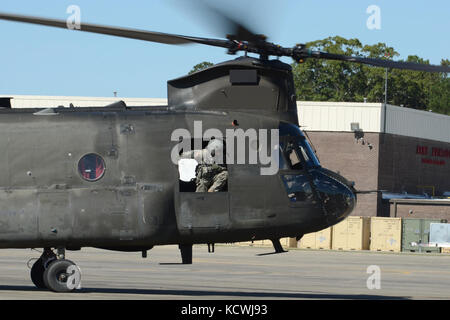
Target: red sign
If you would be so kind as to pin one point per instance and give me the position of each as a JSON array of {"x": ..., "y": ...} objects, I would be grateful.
[
  {"x": 422, "y": 150},
  {"x": 435, "y": 152},
  {"x": 438, "y": 152},
  {"x": 433, "y": 161}
]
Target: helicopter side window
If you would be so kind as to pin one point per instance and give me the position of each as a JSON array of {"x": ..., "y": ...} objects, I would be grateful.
[
  {"x": 298, "y": 188},
  {"x": 91, "y": 167}
]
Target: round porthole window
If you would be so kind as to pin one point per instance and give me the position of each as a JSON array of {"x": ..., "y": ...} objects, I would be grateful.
[{"x": 91, "y": 167}]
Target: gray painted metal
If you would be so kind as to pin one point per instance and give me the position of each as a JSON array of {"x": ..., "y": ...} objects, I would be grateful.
[
  {"x": 415, "y": 233},
  {"x": 440, "y": 234},
  {"x": 137, "y": 203}
]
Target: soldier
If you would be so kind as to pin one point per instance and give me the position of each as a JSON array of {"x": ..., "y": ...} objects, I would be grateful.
[{"x": 211, "y": 174}]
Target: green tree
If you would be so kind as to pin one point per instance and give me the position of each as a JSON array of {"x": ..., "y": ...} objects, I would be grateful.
[
  {"x": 200, "y": 66},
  {"x": 327, "y": 80},
  {"x": 439, "y": 94}
]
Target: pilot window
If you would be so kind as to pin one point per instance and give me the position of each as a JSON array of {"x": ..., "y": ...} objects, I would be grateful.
[
  {"x": 205, "y": 169},
  {"x": 91, "y": 167},
  {"x": 304, "y": 154},
  {"x": 282, "y": 163},
  {"x": 295, "y": 140},
  {"x": 292, "y": 156},
  {"x": 298, "y": 188}
]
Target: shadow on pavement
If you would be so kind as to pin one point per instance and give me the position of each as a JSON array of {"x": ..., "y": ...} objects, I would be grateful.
[{"x": 209, "y": 293}]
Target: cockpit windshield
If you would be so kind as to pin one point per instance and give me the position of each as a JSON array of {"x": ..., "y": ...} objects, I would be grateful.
[
  {"x": 297, "y": 147},
  {"x": 308, "y": 153}
]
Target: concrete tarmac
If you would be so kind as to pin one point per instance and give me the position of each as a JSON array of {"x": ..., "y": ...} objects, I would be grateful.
[{"x": 235, "y": 273}]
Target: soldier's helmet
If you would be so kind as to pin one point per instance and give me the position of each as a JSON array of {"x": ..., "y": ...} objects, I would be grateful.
[{"x": 215, "y": 147}]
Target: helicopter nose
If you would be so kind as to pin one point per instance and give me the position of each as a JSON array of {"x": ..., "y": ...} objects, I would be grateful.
[
  {"x": 339, "y": 204},
  {"x": 337, "y": 195}
]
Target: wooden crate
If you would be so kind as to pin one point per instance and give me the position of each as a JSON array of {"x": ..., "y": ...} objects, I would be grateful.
[
  {"x": 352, "y": 234},
  {"x": 308, "y": 241},
  {"x": 292, "y": 243},
  {"x": 323, "y": 239},
  {"x": 316, "y": 240},
  {"x": 445, "y": 250},
  {"x": 386, "y": 234}
]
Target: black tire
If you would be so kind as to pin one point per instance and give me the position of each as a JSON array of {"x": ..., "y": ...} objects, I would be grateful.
[
  {"x": 37, "y": 274},
  {"x": 55, "y": 276}
]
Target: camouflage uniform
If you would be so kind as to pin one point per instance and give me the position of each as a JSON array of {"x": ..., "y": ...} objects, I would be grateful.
[
  {"x": 209, "y": 175},
  {"x": 210, "y": 178}
]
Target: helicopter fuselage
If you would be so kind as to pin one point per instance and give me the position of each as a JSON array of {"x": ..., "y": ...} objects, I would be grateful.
[
  {"x": 105, "y": 177},
  {"x": 137, "y": 202}
]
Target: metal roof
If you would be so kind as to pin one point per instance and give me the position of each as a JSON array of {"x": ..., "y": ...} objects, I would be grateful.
[{"x": 373, "y": 117}]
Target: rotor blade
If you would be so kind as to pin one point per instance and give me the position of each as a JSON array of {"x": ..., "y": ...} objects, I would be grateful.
[
  {"x": 368, "y": 191},
  {"x": 119, "y": 32},
  {"x": 380, "y": 62},
  {"x": 219, "y": 19}
]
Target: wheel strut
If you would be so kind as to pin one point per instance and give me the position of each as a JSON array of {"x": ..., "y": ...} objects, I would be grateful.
[
  {"x": 277, "y": 246},
  {"x": 186, "y": 253},
  {"x": 52, "y": 271},
  {"x": 61, "y": 253},
  {"x": 39, "y": 266}
]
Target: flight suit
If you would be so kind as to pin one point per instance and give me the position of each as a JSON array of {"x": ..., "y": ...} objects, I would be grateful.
[{"x": 211, "y": 178}]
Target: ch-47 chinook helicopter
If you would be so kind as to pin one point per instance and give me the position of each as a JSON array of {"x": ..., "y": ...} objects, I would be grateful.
[{"x": 103, "y": 177}]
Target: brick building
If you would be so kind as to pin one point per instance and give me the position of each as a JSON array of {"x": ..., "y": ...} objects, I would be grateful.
[{"x": 388, "y": 148}]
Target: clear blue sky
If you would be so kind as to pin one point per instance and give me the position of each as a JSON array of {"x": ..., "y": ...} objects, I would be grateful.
[{"x": 47, "y": 61}]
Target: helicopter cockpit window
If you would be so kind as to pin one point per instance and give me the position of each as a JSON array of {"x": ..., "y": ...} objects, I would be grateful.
[
  {"x": 298, "y": 188},
  {"x": 283, "y": 162},
  {"x": 293, "y": 157},
  {"x": 308, "y": 154},
  {"x": 304, "y": 154},
  {"x": 91, "y": 167},
  {"x": 297, "y": 143}
]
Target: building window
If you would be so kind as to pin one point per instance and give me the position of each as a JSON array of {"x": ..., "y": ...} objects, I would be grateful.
[{"x": 91, "y": 167}]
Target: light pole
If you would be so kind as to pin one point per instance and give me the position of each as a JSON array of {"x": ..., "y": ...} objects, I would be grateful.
[
  {"x": 385, "y": 87},
  {"x": 387, "y": 54}
]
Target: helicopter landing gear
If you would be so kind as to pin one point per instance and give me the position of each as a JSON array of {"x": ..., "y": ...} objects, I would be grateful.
[
  {"x": 59, "y": 276},
  {"x": 186, "y": 253},
  {"x": 277, "y": 246},
  {"x": 52, "y": 271},
  {"x": 38, "y": 268}
]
